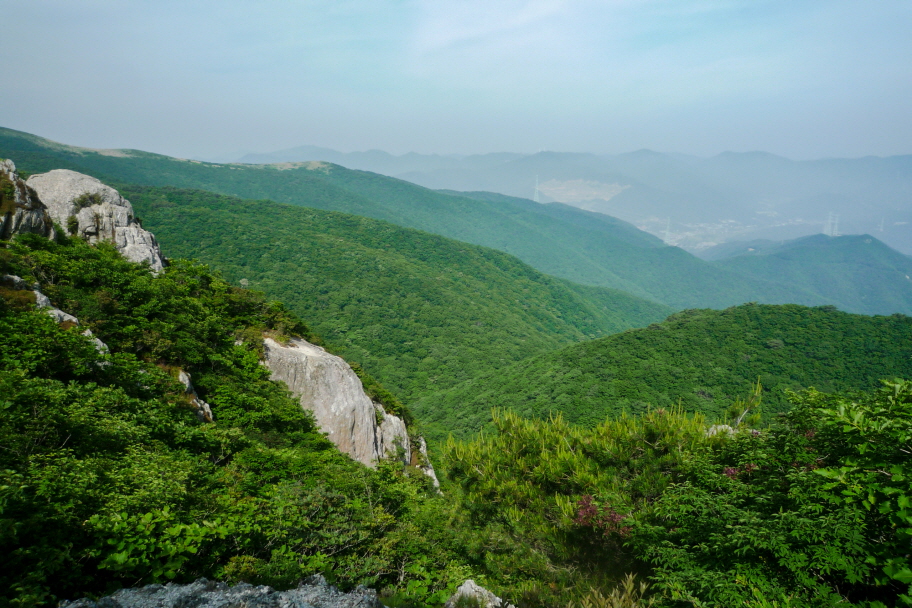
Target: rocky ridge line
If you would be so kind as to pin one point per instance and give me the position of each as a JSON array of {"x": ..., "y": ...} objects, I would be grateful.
[{"x": 313, "y": 592}]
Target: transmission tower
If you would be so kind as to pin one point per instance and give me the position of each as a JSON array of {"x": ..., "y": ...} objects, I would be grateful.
[{"x": 535, "y": 196}]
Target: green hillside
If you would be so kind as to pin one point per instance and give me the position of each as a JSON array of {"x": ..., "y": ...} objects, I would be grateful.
[
  {"x": 562, "y": 241},
  {"x": 419, "y": 311},
  {"x": 108, "y": 478},
  {"x": 700, "y": 359},
  {"x": 857, "y": 273}
]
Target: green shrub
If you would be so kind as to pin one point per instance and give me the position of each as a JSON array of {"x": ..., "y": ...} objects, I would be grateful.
[{"x": 87, "y": 200}]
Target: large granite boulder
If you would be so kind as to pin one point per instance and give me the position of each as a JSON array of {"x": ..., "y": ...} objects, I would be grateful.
[
  {"x": 326, "y": 385},
  {"x": 21, "y": 209},
  {"x": 312, "y": 593},
  {"x": 85, "y": 206}
]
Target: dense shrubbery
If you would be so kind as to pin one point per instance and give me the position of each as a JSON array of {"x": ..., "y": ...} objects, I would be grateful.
[
  {"x": 813, "y": 511},
  {"x": 700, "y": 360},
  {"x": 107, "y": 478}
]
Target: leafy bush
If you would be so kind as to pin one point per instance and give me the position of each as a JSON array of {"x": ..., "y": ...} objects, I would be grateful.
[
  {"x": 812, "y": 512},
  {"x": 107, "y": 478},
  {"x": 87, "y": 200}
]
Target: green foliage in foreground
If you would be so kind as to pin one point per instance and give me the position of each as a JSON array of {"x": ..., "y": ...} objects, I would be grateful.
[
  {"x": 698, "y": 359},
  {"x": 418, "y": 311},
  {"x": 107, "y": 478},
  {"x": 814, "y": 511}
]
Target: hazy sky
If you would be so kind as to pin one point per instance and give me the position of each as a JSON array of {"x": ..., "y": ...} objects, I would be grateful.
[{"x": 207, "y": 78}]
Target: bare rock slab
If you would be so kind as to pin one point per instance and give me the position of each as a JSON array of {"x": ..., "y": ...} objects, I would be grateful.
[
  {"x": 100, "y": 213},
  {"x": 312, "y": 593}
]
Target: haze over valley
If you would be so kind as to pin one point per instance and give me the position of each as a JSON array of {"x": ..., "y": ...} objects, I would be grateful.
[{"x": 691, "y": 202}]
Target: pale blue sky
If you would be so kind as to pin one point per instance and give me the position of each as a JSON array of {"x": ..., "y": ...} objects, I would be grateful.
[{"x": 800, "y": 78}]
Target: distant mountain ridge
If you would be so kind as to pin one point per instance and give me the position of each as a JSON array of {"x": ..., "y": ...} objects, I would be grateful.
[
  {"x": 761, "y": 195},
  {"x": 857, "y": 271},
  {"x": 581, "y": 246}
]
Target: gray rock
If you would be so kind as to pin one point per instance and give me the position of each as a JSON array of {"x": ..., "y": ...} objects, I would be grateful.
[
  {"x": 100, "y": 346},
  {"x": 203, "y": 411},
  {"x": 327, "y": 386},
  {"x": 102, "y": 214},
  {"x": 312, "y": 593},
  {"x": 424, "y": 462},
  {"x": 42, "y": 302},
  {"x": 471, "y": 594},
  {"x": 11, "y": 281},
  {"x": 21, "y": 210},
  {"x": 392, "y": 436}
]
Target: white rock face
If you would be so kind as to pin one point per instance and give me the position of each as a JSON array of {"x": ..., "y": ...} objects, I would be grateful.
[
  {"x": 203, "y": 411},
  {"x": 21, "y": 210},
  {"x": 101, "y": 212},
  {"x": 473, "y": 594},
  {"x": 328, "y": 387},
  {"x": 42, "y": 302},
  {"x": 100, "y": 346},
  {"x": 424, "y": 463}
]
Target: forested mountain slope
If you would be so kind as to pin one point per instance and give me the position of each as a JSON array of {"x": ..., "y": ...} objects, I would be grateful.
[
  {"x": 107, "y": 475},
  {"x": 701, "y": 360},
  {"x": 419, "y": 311},
  {"x": 568, "y": 243},
  {"x": 857, "y": 272}
]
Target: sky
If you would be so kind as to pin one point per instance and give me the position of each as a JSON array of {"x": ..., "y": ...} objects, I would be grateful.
[{"x": 218, "y": 78}]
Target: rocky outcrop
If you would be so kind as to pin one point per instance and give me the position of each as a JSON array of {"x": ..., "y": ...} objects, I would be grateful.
[
  {"x": 421, "y": 460},
  {"x": 202, "y": 409},
  {"x": 21, "y": 209},
  {"x": 327, "y": 386},
  {"x": 100, "y": 346},
  {"x": 471, "y": 594},
  {"x": 392, "y": 436},
  {"x": 312, "y": 593},
  {"x": 42, "y": 302},
  {"x": 85, "y": 206}
]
